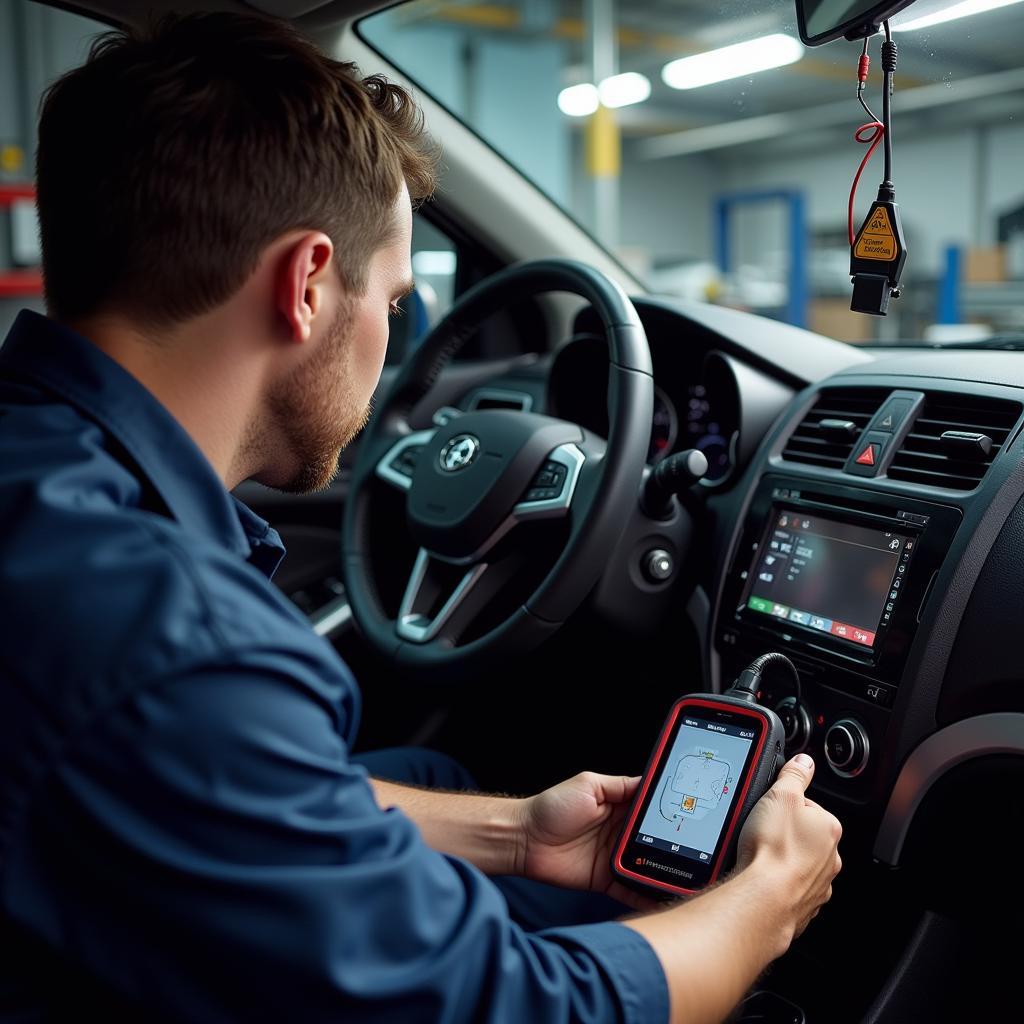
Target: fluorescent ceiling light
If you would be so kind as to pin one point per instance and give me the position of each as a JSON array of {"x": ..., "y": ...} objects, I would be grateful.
[
  {"x": 734, "y": 61},
  {"x": 960, "y": 10},
  {"x": 625, "y": 89},
  {"x": 578, "y": 100}
]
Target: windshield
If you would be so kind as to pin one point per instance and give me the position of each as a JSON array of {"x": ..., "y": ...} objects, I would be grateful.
[{"x": 719, "y": 182}]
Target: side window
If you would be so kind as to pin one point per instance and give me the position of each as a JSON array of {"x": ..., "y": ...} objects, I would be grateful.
[
  {"x": 435, "y": 262},
  {"x": 37, "y": 44},
  {"x": 444, "y": 265}
]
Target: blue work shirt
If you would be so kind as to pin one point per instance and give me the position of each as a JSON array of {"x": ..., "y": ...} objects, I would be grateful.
[{"x": 182, "y": 833}]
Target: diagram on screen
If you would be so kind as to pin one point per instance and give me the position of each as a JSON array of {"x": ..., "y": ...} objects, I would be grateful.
[{"x": 695, "y": 788}]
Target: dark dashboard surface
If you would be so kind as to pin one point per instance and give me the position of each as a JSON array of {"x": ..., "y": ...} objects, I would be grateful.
[{"x": 753, "y": 394}]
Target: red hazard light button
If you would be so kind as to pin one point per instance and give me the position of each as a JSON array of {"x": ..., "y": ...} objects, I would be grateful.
[{"x": 867, "y": 457}]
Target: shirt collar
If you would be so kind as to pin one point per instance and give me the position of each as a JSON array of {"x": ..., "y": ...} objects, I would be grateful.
[{"x": 72, "y": 366}]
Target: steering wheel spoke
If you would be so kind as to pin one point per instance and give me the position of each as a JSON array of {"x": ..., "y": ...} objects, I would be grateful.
[
  {"x": 441, "y": 598},
  {"x": 398, "y": 463}
]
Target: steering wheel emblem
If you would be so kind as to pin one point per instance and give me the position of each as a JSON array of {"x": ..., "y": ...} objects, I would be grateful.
[{"x": 459, "y": 452}]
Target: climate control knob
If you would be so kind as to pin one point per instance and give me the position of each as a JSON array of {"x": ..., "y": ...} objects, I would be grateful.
[
  {"x": 796, "y": 720},
  {"x": 846, "y": 748}
]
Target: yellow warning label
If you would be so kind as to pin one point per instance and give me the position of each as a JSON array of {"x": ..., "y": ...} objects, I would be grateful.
[{"x": 876, "y": 241}]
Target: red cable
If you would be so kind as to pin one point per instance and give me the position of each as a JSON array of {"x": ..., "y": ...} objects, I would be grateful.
[{"x": 871, "y": 141}]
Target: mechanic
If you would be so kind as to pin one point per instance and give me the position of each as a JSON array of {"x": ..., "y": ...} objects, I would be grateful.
[{"x": 225, "y": 217}]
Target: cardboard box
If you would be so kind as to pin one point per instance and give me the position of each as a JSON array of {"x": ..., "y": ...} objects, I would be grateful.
[
  {"x": 835, "y": 319},
  {"x": 985, "y": 264}
]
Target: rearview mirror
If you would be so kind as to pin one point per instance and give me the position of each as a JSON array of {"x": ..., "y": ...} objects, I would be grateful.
[{"x": 821, "y": 21}]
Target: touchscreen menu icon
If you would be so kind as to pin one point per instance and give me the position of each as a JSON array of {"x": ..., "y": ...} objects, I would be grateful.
[{"x": 828, "y": 576}]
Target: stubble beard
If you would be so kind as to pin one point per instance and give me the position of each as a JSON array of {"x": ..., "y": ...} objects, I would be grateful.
[{"x": 315, "y": 412}]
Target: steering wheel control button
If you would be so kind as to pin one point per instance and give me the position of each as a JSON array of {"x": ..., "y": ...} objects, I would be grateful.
[
  {"x": 399, "y": 464},
  {"x": 658, "y": 565},
  {"x": 548, "y": 482},
  {"x": 551, "y": 474},
  {"x": 459, "y": 453},
  {"x": 846, "y": 748},
  {"x": 405, "y": 461},
  {"x": 868, "y": 452}
]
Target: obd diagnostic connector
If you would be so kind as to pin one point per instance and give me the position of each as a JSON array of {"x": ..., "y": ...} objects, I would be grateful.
[
  {"x": 878, "y": 251},
  {"x": 877, "y": 256}
]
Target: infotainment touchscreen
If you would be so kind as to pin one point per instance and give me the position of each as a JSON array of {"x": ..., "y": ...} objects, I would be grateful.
[{"x": 826, "y": 575}]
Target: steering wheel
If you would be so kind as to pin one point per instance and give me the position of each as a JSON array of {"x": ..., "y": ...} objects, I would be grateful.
[{"x": 469, "y": 482}]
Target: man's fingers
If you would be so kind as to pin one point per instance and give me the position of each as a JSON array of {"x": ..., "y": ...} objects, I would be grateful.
[
  {"x": 796, "y": 774},
  {"x": 613, "y": 789}
]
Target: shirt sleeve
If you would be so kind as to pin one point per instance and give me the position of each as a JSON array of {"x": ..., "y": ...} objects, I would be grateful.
[{"x": 207, "y": 849}]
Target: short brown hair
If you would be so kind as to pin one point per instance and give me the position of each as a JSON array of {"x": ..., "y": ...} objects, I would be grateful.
[{"x": 174, "y": 156}]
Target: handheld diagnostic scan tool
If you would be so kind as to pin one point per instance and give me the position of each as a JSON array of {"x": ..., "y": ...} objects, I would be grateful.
[{"x": 714, "y": 759}]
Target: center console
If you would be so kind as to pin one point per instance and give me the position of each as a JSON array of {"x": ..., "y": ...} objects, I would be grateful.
[{"x": 836, "y": 577}]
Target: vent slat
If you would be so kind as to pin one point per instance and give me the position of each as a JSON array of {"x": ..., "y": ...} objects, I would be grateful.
[
  {"x": 938, "y": 427},
  {"x": 842, "y": 414},
  {"x": 822, "y": 442},
  {"x": 935, "y": 440},
  {"x": 924, "y": 458},
  {"x": 810, "y": 445},
  {"x": 934, "y": 479}
]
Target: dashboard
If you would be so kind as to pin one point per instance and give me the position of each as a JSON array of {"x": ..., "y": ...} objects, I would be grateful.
[
  {"x": 695, "y": 404},
  {"x": 864, "y": 514}
]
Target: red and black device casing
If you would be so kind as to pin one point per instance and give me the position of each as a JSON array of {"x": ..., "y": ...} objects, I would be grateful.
[{"x": 758, "y": 776}]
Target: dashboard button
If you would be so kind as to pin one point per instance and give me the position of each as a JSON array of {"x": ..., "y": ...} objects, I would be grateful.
[
  {"x": 892, "y": 414},
  {"x": 846, "y": 748},
  {"x": 868, "y": 457},
  {"x": 868, "y": 453},
  {"x": 913, "y": 517},
  {"x": 839, "y": 745},
  {"x": 658, "y": 565},
  {"x": 796, "y": 721},
  {"x": 879, "y": 693}
]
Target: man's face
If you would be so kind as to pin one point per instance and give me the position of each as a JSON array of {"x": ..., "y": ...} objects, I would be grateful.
[{"x": 325, "y": 402}]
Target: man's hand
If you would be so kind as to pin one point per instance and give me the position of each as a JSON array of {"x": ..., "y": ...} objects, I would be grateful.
[
  {"x": 714, "y": 947},
  {"x": 568, "y": 832},
  {"x": 797, "y": 839}
]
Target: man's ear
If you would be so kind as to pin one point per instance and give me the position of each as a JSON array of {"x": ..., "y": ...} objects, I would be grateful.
[{"x": 302, "y": 276}]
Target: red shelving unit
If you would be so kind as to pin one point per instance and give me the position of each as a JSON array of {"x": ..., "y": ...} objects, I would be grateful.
[{"x": 18, "y": 283}]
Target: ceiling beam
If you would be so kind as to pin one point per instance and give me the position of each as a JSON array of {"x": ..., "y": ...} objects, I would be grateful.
[
  {"x": 509, "y": 19},
  {"x": 769, "y": 126}
]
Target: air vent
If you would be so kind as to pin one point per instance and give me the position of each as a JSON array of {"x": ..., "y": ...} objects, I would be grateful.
[
  {"x": 960, "y": 459},
  {"x": 827, "y": 434}
]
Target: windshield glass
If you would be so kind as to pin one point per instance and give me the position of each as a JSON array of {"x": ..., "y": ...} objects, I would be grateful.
[{"x": 716, "y": 181}]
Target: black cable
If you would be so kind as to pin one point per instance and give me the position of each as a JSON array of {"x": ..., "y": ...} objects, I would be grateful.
[
  {"x": 888, "y": 69},
  {"x": 867, "y": 109},
  {"x": 749, "y": 680}
]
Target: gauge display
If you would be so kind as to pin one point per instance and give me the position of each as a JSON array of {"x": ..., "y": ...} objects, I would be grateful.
[
  {"x": 664, "y": 427},
  {"x": 704, "y": 432}
]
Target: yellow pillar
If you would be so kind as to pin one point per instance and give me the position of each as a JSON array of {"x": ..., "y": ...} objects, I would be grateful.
[{"x": 603, "y": 144}]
